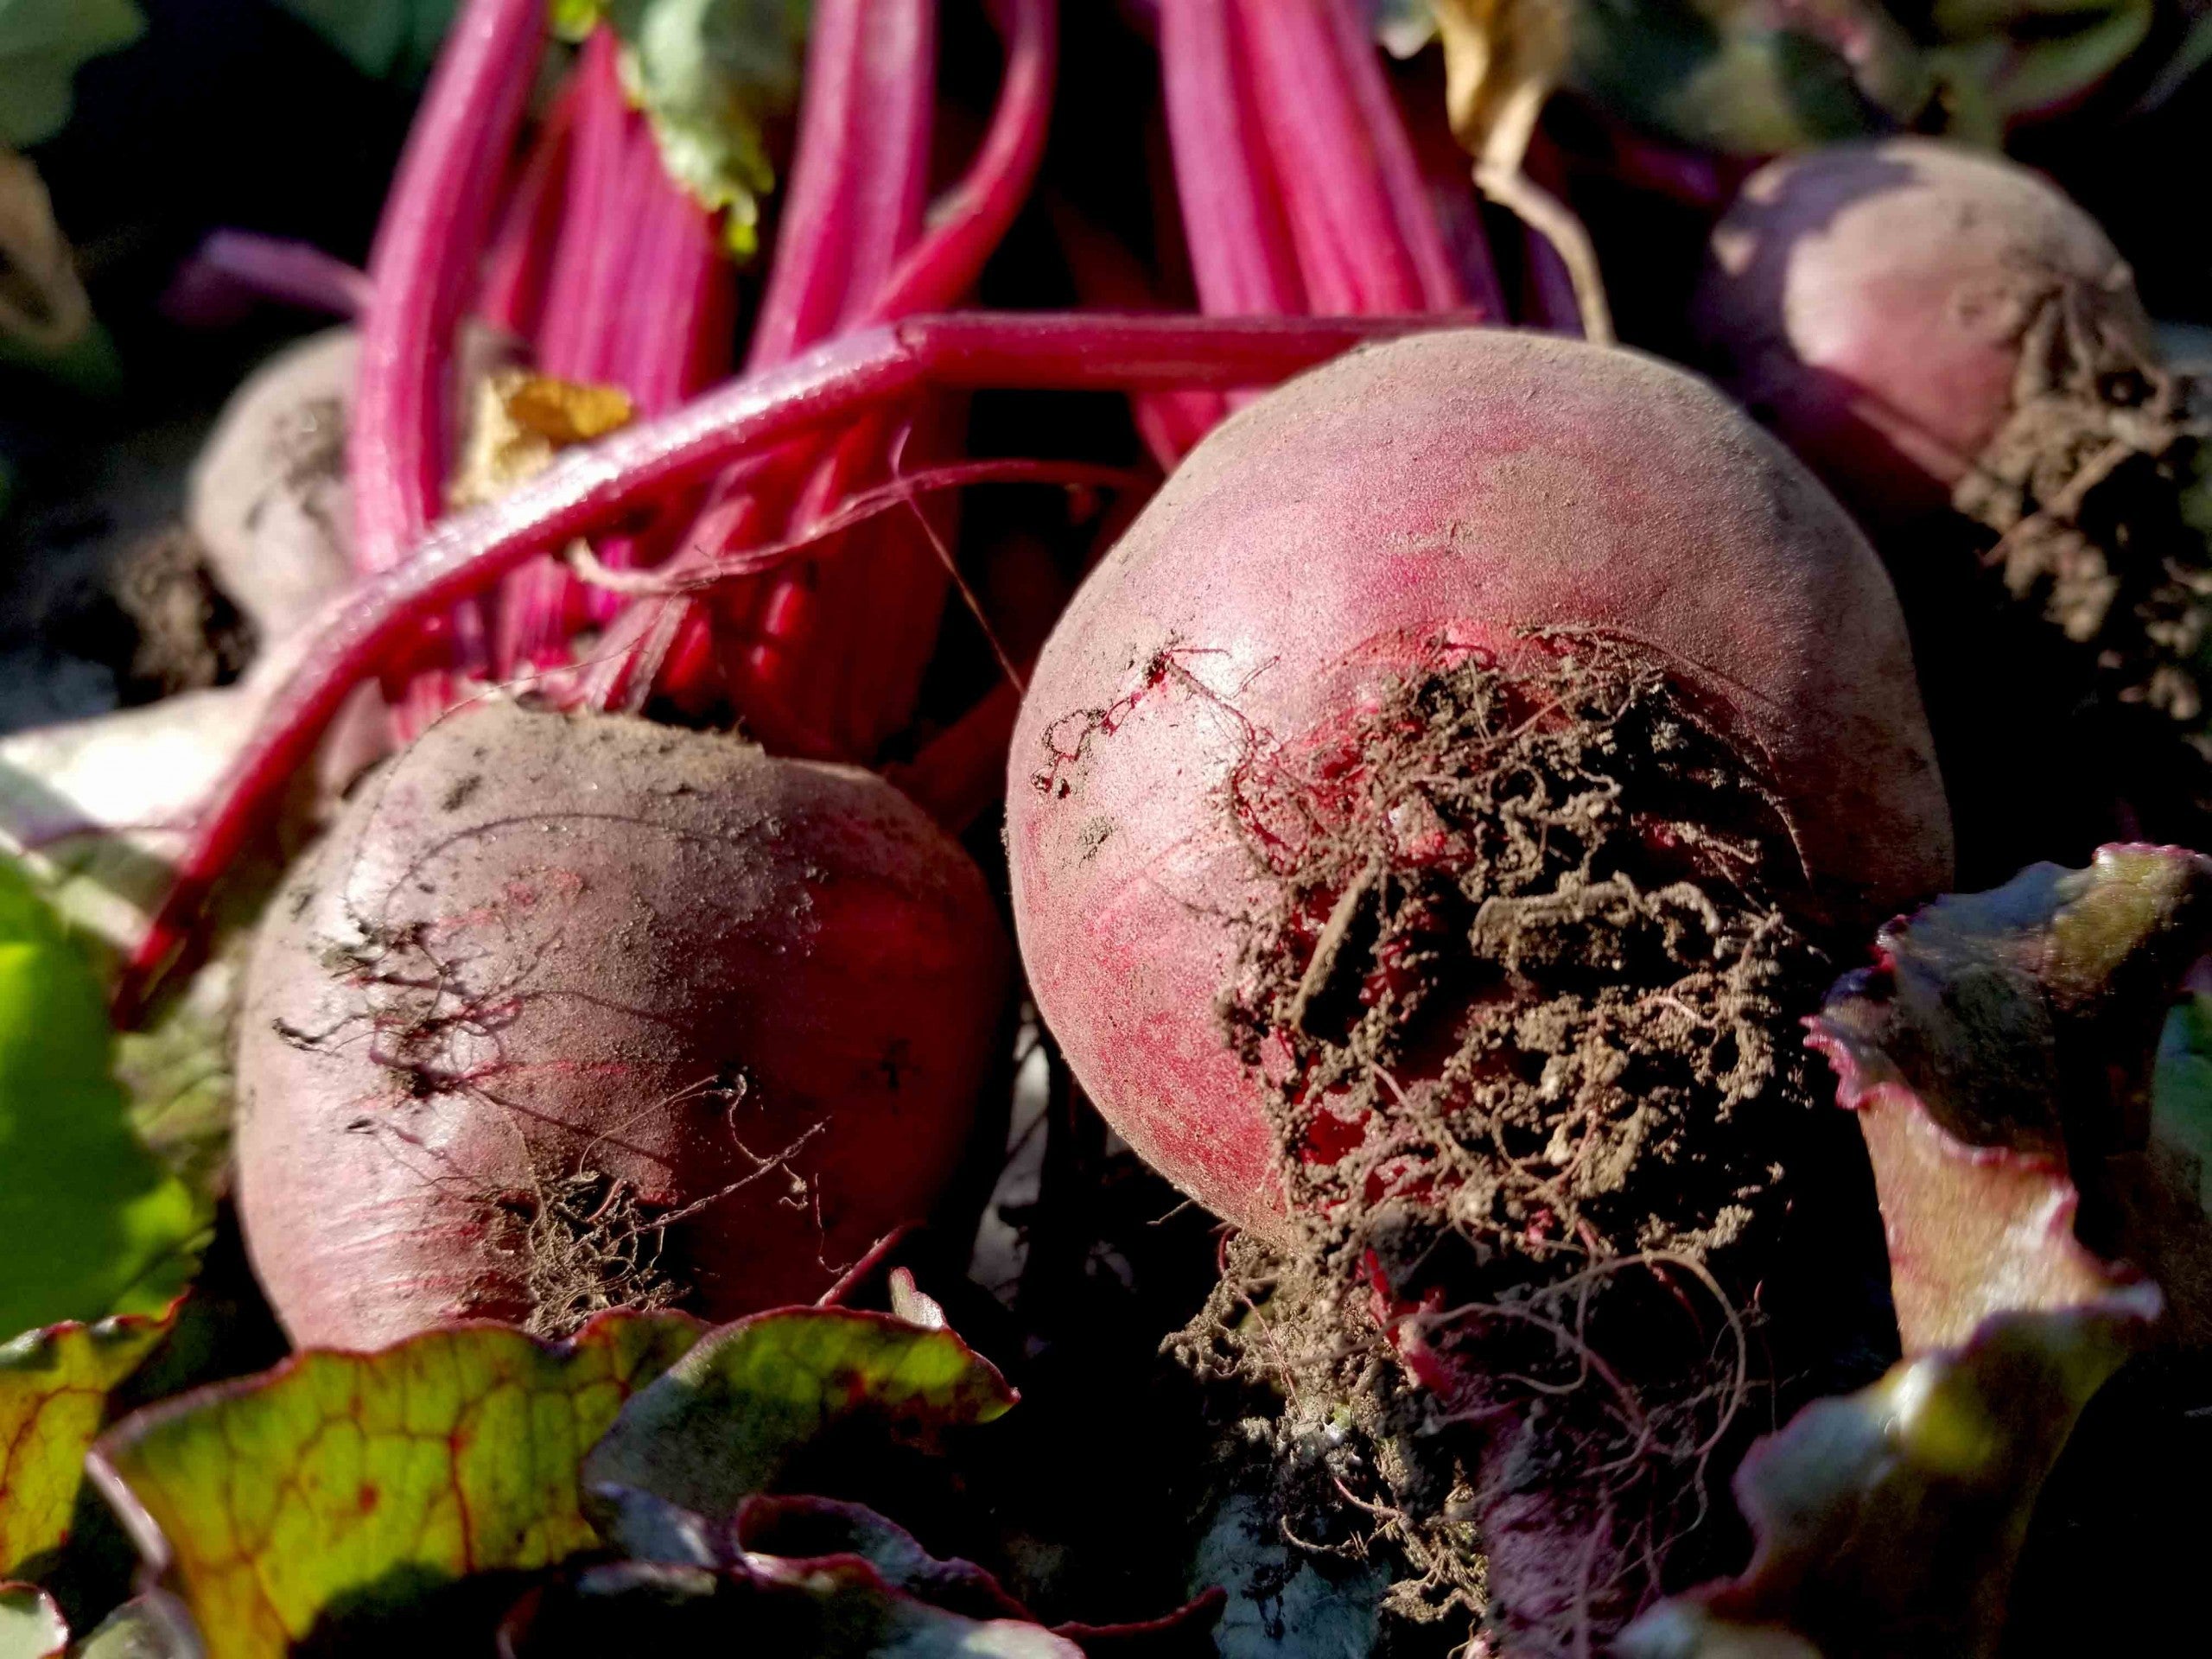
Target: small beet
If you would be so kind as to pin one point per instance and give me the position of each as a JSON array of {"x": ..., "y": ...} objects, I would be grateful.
[
  {"x": 1959, "y": 350},
  {"x": 1876, "y": 304},
  {"x": 566, "y": 1013}
]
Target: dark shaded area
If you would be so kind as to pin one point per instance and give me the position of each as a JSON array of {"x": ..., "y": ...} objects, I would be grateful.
[
  {"x": 226, "y": 112},
  {"x": 2114, "y": 1559}
]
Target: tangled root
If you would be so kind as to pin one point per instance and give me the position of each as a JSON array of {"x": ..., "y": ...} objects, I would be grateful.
[
  {"x": 2087, "y": 489},
  {"x": 1523, "y": 1001}
]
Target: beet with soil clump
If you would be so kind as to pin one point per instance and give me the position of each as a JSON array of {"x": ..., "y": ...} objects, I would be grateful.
[
  {"x": 566, "y": 1014},
  {"x": 1423, "y": 825},
  {"x": 1959, "y": 350}
]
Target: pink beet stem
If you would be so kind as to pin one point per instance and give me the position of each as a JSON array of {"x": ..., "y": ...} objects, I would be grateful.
[
  {"x": 1351, "y": 249},
  {"x": 422, "y": 273},
  {"x": 518, "y": 264},
  {"x": 836, "y": 218},
  {"x": 970, "y": 222},
  {"x": 887, "y": 95},
  {"x": 1299, "y": 188},
  {"x": 293, "y": 273},
  {"x": 1241, "y": 253},
  {"x": 842, "y": 380},
  {"x": 643, "y": 300}
]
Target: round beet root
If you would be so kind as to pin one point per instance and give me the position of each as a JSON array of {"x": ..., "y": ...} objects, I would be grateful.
[
  {"x": 1886, "y": 306},
  {"x": 1445, "y": 493},
  {"x": 566, "y": 1013},
  {"x": 1959, "y": 352},
  {"x": 1419, "y": 825}
]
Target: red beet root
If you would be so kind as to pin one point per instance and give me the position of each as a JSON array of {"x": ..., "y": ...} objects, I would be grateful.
[
  {"x": 1959, "y": 350},
  {"x": 1873, "y": 302},
  {"x": 566, "y": 1013},
  {"x": 1448, "y": 492}
]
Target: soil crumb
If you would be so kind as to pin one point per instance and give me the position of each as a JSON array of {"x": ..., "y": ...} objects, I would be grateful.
[
  {"x": 1523, "y": 1003},
  {"x": 174, "y": 629}
]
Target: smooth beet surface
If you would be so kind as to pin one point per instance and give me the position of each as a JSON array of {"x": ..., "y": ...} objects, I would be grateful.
[
  {"x": 1438, "y": 494},
  {"x": 1870, "y": 303},
  {"x": 572, "y": 1011}
]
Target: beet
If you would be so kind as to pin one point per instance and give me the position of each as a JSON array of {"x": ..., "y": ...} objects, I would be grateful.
[
  {"x": 566, "y": 1013},
  {"x": 1873, "y": 303},
  {"x": 1959, "y": 350},
  {"x": 1423, "y": 825},
  {"x": 1454, "y": 488}
]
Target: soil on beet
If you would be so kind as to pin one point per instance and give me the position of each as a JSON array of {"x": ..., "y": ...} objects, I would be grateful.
[
  {"x": 1524, "y": 1001},
  {"x": 2081, "y": 507}
]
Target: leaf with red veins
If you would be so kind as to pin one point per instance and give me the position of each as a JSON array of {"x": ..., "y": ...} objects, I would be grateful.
[
  {"x": 2000, "y": 1057},
  {"x": 55, "y": 1385},
  {"x": 337, "y": 1479},
  {"x": 1888, "y": 1522},
  {"x": 811, "y": 1527},
  {"x": 726, "y": 1418}
]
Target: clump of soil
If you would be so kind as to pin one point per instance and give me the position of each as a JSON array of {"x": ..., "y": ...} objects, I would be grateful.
[
  {"x": 1523, "y": 1001},
  {"x": 2087, "y": 490},
  {"x": 174, "y": 629}
]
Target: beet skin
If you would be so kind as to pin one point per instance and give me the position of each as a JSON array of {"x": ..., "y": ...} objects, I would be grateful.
[
  {"x": 567, "y": 1013},
  {"x": 1445, "y": 491},
  {"x": 1870, "y": 303}
]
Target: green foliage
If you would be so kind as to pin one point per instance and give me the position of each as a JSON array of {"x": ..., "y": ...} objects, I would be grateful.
[
  {"x": 723, "y": 1422},
  {"x": 54, "y": 1389},
  {"x": 94, "y": 1224},
  {"x": 31, "y": 1626},
  {"x": 710, "y": 75},
  {"x": 388, "y": 39},
  {"x": 1889, "y": 1521},
  {"x": 360, "y": 1482},
  {"x": 42, "y": 45}
]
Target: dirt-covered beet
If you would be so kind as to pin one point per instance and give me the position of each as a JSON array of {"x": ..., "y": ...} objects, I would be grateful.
[
  {"x": 570, "y": 1013},
  {"x": 1371, "y": 524},
  {"x": 1959, "y": 350},
  {"x": 1423, "y": 825}
]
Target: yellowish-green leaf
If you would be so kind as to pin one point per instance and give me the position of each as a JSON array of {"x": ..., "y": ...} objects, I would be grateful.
[
  {"x": 725, "y": 1420},
  {"x": 94, "y": 1224},
  {"x": 42, "y": 45},
  {"x": 53, "y": 1389},
  {"x": 710, "y": 75},
  {"x": 1888, "y": 1521},
  {"x": 338, "y": 1480}
]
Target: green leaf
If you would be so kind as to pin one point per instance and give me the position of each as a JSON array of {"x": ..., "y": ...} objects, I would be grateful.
[
  {"x": 2002, "y": 1062},
  {"x": 54, "y": 1389},
  {"x": 834, "y": 1608},
  {"x": 360, "y": 1482},
  {"x": 389, "y": 40},
  {"x": 151, "y": 1626},
  {"x": 726, "y": 1420},
  {"x": 710, "y": 75},
  {"x": 94, "y": 1224},
  {"x": 31, "y": 1626},
  {"x": 1749, "y": 76},
  {"x": 811, "y": 1527},
  {"x": 42, "y": 45},
  {"x": 1888, "y": 1521}
]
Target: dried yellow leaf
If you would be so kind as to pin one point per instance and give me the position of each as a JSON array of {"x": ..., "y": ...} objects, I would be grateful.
[{"x": 520, "y": 420}]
